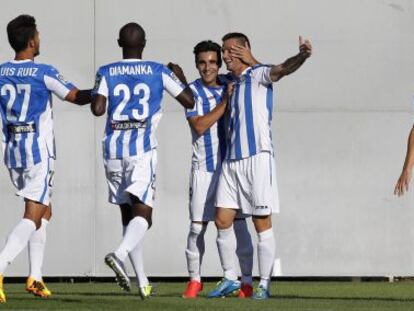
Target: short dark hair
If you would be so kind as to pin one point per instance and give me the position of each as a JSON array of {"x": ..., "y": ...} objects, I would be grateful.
[
  {"x": 132, "y": 35},
  {"x": 20, "y": 30},
  {"x": 208, "y": 46},
  {"x": 237, "y": 35}
]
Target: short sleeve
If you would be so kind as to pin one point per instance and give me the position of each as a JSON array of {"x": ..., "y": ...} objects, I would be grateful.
[
  {"x": 171, "y": 82},
  {"x": 261, "y": 73},
  {"x": 56, "y": 83},
  {"x": 198, "y": 104},
  {"x": 101, "y": 86}
]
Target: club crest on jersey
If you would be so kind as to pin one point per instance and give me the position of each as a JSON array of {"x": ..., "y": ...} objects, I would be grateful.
[
  {"x": 61, "y": 78},
  {"x": 175, "y": 78},
  {"x": 98, "y": 80}
]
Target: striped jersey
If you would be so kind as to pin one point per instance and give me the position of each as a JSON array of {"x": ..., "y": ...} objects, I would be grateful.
[
  {"x": 26, "y": 111},
  {"x": 251, "y": 107},
  {"x": 208, "y": 149},
  {"x": 134, "y": 90}
]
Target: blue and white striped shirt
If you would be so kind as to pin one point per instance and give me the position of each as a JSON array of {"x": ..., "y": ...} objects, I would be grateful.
[
  {"x": 134, "y": 89},
  {"x": 26, "y": 111},
  {"x": 251, "y": 114},
  {"x": 208, "y": 149}
]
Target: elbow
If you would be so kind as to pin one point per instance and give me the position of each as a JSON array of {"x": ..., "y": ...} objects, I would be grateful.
[
  {"x": 189, "y": 99},
  {"x": 97, "y": 111},
  {"x": 199, "y": 130},
  {"x": 189, "y": 104}
]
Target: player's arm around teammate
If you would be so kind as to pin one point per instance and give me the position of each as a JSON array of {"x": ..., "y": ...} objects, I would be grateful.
[
  {"x": 133, "y": 89},
  {"x": 405, "y": 177},
  {"x": 248, "y": 179},
  {"x": 200, "y": 124},
  {"x": 28, "y": 138}
]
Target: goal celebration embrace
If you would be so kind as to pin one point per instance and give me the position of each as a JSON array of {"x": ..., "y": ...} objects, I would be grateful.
[{"x": 233, "y": 175}]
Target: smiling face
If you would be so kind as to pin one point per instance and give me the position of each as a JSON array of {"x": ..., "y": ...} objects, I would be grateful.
[
  {"x": 233, "y": 64},
  {"x": 208, "y": 68}
]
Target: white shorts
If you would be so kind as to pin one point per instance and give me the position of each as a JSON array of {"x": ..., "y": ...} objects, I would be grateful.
[
  {"x": 250, "y": 185},
  {"x": 34, "y": 183},
  {"x": 202, "y": 191},
  {"x": 132, "y": 175}
]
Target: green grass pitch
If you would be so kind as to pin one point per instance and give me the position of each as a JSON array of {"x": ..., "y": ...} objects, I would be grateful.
[{"x": 318, "y": 296}]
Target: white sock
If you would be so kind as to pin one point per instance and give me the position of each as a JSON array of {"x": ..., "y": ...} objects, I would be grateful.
[
  {"x": 195, "y": 250},
  {"x": 16, "y": 241},
  {"x": 37, "y": 245},
  {"x": 226, "y": 244},
  {"x": 244, "y": 250},
  {"x": 137, "y": 261},
  {"x": 266, "y": 250},
  {"x": 134, "y": 233}
]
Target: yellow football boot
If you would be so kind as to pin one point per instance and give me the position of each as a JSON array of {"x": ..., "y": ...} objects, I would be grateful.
[
  {"x": 2, "y": 295},
  {"x": 37, "y": 288},
  {"x": 146, "y": 291}
]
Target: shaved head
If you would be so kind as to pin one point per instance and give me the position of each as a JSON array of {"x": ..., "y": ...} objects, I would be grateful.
[
  {"x": 131, "y": 36},
  {"x": 240, "y": 37}
]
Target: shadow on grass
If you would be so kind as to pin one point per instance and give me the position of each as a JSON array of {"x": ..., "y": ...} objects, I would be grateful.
[
  {"x": 67, "y": 300},
  {"x": 390, "y": 299},
  {"x": 92, "y": 294}
]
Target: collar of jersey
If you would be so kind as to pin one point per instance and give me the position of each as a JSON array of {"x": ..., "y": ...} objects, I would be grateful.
[
  {"x": 244, "y": 72},
  {"x": 216, "y": 88},
  {"x": 127, "y": 60},
  {"x": 21, "y": 61}
]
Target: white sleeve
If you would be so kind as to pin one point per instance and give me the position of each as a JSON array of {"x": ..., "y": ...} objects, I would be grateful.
[
  {"x": 172, "y": 84},
  {"x": 198, "y": 105},
  {"x": 262, "y": 74},
  {"x": 58, "y": 88},
  {"x": 101, "y": 87}
]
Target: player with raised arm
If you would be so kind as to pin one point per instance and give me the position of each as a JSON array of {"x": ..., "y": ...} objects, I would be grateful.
[
  {"x": 248, "y": 181},
  {"x": 133, "y": 88},
  {"x": 28, "y": 143},
  {"x": 209, "y": 147}
]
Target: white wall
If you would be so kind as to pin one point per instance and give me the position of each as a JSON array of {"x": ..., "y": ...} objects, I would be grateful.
[{"x": 340, "y": 127}]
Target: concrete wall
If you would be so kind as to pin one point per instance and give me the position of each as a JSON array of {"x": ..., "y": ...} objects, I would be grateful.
[{"x": 340, "y": 128}]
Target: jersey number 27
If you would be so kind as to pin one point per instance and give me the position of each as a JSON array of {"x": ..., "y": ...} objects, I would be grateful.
[{"x": 13, "y": 91}]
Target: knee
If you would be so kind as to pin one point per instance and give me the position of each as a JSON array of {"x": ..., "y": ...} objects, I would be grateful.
[
  {"x": 197, "y": 228},
  {"x": 142, "y": 210},
  {"x": 262, "y": 223},
  {"x": 222, "y": 223},
  {"x": 37, "y": 220},
  {"x": 148, "y": 219}
]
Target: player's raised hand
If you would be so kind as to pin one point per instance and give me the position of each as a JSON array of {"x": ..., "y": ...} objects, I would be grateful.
[
  {"x": 402, "y": 183},
  {"x": 178, "y": 71},
  {"x": 244, "y": 53},
  {"x": 305, "y": 47}
]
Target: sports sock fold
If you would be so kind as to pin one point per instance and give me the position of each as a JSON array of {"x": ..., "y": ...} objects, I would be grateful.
[
  {"x": 195, "y": 250},
  {"x": 244, "y": 250},
  {"x": 266, "y": 250},
  {"x": 16, "y": 242},
  {"x": 37, "y": 244},
  {"x": 134, "y": 233},
  {"x": 226, "y": 244}
]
